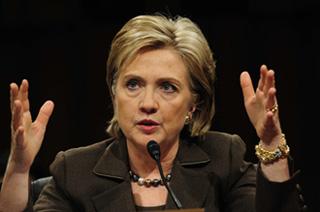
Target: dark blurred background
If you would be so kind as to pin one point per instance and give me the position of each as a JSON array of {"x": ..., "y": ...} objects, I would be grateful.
[{"x": 61, "y": 48}]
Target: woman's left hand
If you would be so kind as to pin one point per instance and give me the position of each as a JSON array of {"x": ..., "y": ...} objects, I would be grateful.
[{"x": 261, "y": 106}]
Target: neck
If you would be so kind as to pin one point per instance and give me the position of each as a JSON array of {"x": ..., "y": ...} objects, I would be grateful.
[{"x": 142, "y": 163}]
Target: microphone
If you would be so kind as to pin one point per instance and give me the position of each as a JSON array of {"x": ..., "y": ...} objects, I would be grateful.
[{"x": 154, "y": 151}]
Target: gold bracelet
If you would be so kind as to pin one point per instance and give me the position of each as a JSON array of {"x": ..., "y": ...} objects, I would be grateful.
[{"x": 266, "y": 156}]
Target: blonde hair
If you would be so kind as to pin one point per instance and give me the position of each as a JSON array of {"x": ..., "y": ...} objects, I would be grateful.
[{"x": 186, "y": 38}]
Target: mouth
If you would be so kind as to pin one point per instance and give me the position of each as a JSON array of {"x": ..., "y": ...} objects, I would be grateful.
[
  {"x": 148, "y": 122},
  {"x": 148, "y": 126}
]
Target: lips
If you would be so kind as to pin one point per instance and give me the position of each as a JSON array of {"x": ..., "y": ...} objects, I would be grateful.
[
  {"x": 148, "y": 122},
  {"x": 148, "y": 126}
]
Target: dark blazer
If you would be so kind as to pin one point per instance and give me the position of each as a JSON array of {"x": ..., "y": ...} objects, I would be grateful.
[{"x": 208, "y": 172}]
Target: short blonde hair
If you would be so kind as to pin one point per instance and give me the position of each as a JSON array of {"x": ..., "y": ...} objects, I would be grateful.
[{"x": 186, "y": 38}]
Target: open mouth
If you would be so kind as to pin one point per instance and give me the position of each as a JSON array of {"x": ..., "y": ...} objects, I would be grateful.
[
  {"x": 148, "y": 122},
  {"x": 148, "y": 126}
]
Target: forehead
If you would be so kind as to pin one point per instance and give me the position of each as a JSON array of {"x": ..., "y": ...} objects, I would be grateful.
[{"x": 157, "y": 63}]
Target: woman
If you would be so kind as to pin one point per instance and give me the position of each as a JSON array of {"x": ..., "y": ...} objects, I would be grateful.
[{"x": 160, "y": 73}]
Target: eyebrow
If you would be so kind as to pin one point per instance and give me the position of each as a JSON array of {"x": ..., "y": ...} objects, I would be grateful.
[{"x": 163, "y": 79}]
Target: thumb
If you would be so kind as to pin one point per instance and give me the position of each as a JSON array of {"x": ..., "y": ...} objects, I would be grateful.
[{"x": 45, "y": 113}]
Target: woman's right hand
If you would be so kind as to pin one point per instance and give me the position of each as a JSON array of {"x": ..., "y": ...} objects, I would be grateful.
[
  {"x": 26, "y": 135},
  {"x": 26, "y": 140}
]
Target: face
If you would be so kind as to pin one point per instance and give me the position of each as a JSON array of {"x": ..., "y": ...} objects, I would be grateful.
[{"x": 153, "y": 97}]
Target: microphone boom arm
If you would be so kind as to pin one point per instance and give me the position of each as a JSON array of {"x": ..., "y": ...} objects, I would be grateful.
[
  {"x": 173, "y": 196},
  {"x": 154, "y": 151}
]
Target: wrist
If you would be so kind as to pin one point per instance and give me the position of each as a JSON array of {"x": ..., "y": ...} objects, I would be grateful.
[
  {"x": 267, "y": 156},
  {"x": 17, "y": 168}
]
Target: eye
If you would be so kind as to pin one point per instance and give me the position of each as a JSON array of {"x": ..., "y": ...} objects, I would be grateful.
[
  {"x": 168, "y": 87},
  {"x": 132, "y": 84}
]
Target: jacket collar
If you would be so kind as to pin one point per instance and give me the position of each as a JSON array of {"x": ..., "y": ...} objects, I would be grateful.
[
  {"x": 190, "y": 153},
  {"x": 114, "y": 161},
  {"x": 188, "y": 183}
]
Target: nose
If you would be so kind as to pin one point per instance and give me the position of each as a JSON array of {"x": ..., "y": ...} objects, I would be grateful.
[{"x": 149, "y": 103}]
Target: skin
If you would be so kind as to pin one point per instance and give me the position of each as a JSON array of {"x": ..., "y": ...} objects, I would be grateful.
[
  {"x": 154, "y": 86},
  {"x": 27, "y": 134}
]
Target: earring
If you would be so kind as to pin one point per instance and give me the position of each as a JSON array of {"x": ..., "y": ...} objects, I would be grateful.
[{"x": 187, "y": 120}]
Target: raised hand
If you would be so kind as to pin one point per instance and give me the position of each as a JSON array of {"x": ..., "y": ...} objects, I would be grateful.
[
  {"x": 261, "y": 106},
  {"x": 26, "y": 135},
  {"x": 26, "y": 140},
  {"x": 262, "y": 109}
]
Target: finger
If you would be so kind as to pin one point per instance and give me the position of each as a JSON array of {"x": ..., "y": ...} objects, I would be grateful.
[
  {"x": 23, "y": 93},
  {"x": 269, "y": 81},
  {"x": 17, "y": 115},
  {"x": 263, "y": 73},
  {"x": 13, "y": 94},
  {"x": 246, "y": 85},
  {"x": 45, "y": 113},
  {"x": 271, "y": 100}
]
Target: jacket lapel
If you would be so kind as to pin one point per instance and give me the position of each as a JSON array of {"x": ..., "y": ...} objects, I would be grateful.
[
  {"x": 113, "y": 165},
  {"x": 190, "y": 182}
]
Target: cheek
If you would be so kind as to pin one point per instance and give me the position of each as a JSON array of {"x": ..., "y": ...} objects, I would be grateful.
[
  {"x": 121, "y": 108},
  {"x": 125, "y": 110},
  {"x": 122, "y": 102},
  {"x": 175, "y": 115}
]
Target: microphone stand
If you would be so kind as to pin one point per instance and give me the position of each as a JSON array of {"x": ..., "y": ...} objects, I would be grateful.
[
  {"x": 154, "y": 150},
  {"x": 173, "y": 196}
]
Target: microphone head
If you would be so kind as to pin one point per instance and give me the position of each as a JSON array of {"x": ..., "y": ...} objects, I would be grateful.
[{"x": 154, "y": 149}]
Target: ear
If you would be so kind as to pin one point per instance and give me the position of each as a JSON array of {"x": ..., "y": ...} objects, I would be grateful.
[{"x": 192, "y": 108}]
